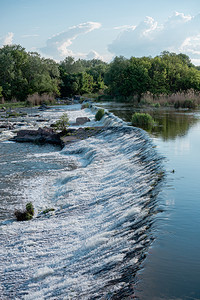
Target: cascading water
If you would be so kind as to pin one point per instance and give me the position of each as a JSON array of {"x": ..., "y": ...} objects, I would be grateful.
[{"x": 104, "y": 191}]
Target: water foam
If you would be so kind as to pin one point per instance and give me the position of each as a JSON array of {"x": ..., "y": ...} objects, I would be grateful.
[{"x": 94, "y": 243}]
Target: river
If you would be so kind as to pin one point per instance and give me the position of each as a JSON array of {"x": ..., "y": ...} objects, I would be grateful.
[
  {"x": 172, "y": 267},
  {"x": 120, "y": 228}
]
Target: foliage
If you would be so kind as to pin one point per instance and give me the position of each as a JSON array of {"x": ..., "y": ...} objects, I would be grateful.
[
  {"x": 23, "y": 74},
  {"x": 85, "y": 105},
  {"x": 81, "y": 76},
  {"x": 63, "y": 123},
  {"x": 166, "y": 74},
  {"x": 12, "y": 105},
  {"x": 30, "y": 208},
  {"x": 191, "y": 104},
  {"x": 26, "y": 214},
  {"x": 46, "y": 211},
  {"x": 142, "y": 120},
  {"x": 100, "y": 113}
]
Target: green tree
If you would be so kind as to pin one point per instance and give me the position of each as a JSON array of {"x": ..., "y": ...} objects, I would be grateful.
[{"x": 23, "y": 74}]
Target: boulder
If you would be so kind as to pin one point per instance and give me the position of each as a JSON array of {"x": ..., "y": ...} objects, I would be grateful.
[
  {"x": 82, "y": 120},
  {"x": 40, "y": 136},
  {"x": 43, "y": 107}
]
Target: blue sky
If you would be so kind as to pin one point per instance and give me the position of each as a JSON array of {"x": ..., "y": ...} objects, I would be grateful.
[{"x": 102, "y": 28}]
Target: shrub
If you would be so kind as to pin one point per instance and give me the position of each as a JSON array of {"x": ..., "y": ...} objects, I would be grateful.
[
  {"x": 30, "y": 208},
  {"x": 142, "y": 120},
  {"x": 63, "y": 123},
  {"x": 85, "y": 105},
  {"x": 177, "y": 104},
  {"x": 99, "y": 114},
  {"x": 191, "y": 104},
  {"x": 157, "y": 105},
  {"x": 26, "y": 214}
]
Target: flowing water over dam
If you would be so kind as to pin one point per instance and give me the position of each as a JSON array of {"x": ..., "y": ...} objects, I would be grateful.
[{"x": 104, "y": 191}]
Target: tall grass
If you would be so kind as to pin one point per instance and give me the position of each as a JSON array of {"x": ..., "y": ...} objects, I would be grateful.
[
  {"x": 170, "y": 100},
  {"x": 36, "y": 99}
]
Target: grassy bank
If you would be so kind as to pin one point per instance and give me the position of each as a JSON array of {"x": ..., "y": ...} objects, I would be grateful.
[
  {"x": 13, "y": 105},
  {"x": 189, "y": 99}
]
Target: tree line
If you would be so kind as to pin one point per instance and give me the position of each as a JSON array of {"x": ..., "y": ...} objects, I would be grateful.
[
  {"x": 165, "y": 74},
  {"x": 25, "y": 73}
]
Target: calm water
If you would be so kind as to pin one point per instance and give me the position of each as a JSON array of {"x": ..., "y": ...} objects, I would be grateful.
[{"x": 172, "y": 267}]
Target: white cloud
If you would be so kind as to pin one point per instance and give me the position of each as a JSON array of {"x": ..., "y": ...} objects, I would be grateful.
[
  {"x": 58, "y": 45},
  {"x": 93, "y": 55},
  {"x": 124, "y": 27},
  {"x": 29, "y": 35},
  {"x": 8, "y": 38},
  {"x": 180, "y": 33}
]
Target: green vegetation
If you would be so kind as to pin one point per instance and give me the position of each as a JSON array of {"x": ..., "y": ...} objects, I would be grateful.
[
  {"x": 13, "y": 105},
  {"x": 191, "y": 104},
  {"x": 152, "y": 79},
  {"x": 46, "y": 211},
  {"x": 30, "y": 208},
  {"x": 27, "y": 77},
  {"x": 63, "y": 123},
  {"x": 143, "y": 120},
  {"x": 85, "y": 105},
  {"x": 23, "y": 74},
  {"x": 26, "y": 214},
  {"x": 100, "y": 113}
]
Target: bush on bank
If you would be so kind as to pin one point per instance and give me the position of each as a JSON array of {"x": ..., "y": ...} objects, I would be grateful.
[{"x": 142, "y": 120}]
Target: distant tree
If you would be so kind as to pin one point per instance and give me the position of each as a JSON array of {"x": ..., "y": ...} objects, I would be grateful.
[
  {"x": 70, "y": 66},
  {"x": 23, "y": 74},
  {"x": 115, "y": 76}
]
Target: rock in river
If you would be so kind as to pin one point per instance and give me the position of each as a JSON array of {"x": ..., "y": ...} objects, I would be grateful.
[{"x": 40, "y": 136}]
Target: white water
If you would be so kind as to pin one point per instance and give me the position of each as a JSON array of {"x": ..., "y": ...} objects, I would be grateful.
[{"x": 104, "y": 192}]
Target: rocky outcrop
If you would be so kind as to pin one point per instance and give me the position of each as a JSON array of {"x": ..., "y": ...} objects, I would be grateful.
[
  {"x": 74, "y": 135},
  {"x": 43, "y": 107},
  {"x": 82, "y": 120},
  {"x": 40, "y": 136}
]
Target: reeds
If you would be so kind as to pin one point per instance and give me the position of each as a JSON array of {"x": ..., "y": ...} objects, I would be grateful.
[
  {"x": 36, "y": 99},
  {"x": 172, "y": 99}
]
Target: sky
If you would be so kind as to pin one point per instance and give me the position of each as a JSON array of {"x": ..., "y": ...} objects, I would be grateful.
[{"x": 102, "y": 29}]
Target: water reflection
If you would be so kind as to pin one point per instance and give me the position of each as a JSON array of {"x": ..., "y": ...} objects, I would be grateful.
[{"x": 170, "y": 123}]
